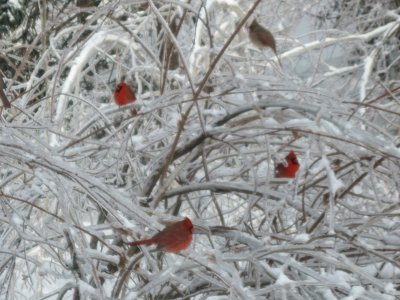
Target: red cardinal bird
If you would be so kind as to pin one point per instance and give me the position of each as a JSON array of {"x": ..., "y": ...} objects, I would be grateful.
[
  {"x": 261, "y": 37},
  {"x": 173, "y": 238},
  {"x": 289, "y": 169},
  {"x": 123, "y": 95}
]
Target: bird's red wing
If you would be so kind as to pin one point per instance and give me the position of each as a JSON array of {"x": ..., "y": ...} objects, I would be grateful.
[
  {"x": 175, "y": 243},
  {"x": 269, "y": 41},
  {"x": 174, "y": 238},
  {"x": 280, "y": 170}
]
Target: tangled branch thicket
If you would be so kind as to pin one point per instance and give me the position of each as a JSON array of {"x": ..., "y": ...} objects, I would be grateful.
[{"x": 80, "y": 177}]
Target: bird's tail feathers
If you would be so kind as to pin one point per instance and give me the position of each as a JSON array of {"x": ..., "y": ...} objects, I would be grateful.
[{"x": 143, "y": 242}]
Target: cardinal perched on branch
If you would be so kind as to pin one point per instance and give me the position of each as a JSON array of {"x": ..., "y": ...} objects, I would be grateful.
[
  {"x": 124, "y": 95},
  {"x": 288, "y": 169},
  {"x": 262, "y": 37},
  {"x": 173, "y": 238}
]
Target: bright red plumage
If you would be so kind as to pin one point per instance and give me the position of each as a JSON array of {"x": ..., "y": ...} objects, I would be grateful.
[
  {"x": 124, "y": 95},
  {"x": 289, "y": 169},
  {"x": 173, "y": 238}
]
